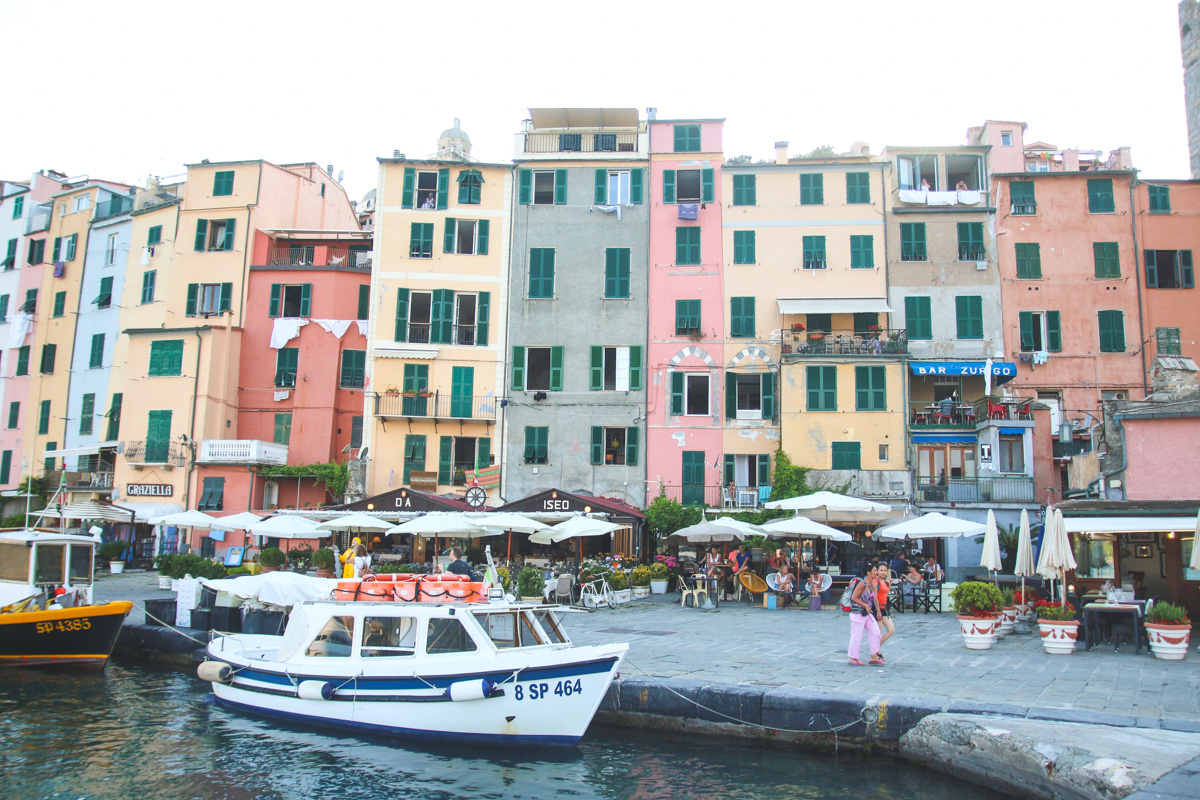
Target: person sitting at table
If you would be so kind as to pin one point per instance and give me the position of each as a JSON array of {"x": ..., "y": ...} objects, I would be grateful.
[
  {"x": 740, "y": 562},
  {"x": 933, "y": 570},
  {"x": 787, "y": 588},
  {"x": 911, "y": 583},
  {"x": 814, "y": 584},
  {"x": 712, "y": 560}
]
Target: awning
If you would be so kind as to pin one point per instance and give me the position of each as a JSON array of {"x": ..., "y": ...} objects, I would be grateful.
[
  {"x": 584, "y": 117},
  {"x": 1129, "y": 524},
  {"x": 1002, "y": 371},
  {"x": 67, "y": 452},
  {"x": 945, "y": 438},
  {"x": 148, "y": 511},
  {"x": 833, "y": 305},
  {"x": 1013, "y": 431},
  {"x": 424, "y": 353}
]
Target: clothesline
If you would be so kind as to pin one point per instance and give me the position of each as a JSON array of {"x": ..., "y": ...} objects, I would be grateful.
[{"x": 287, "y": 328}]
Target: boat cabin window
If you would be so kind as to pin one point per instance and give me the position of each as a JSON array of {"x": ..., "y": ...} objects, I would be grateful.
[
  {"x": 448, "y": 635},
  {"x": 14, "y": 562},
  {"x": 510, "y": 629},
  {"x": 50, "y": 563},
  {"x": 81, "y": 565},
  {"x": 389, "y": 637},
  {"x": 334, "y": 640},
  {"x": 551, "y": 625}
]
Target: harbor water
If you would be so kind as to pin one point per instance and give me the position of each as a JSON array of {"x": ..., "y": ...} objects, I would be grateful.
[{"x": 141, "y": 731}]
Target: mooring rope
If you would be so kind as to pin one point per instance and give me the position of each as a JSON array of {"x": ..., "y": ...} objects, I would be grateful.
[{"x": 168, "y": 625}]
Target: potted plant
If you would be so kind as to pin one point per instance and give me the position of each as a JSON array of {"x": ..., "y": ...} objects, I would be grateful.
[
  {"x": 1008, "y": 611},
  {"x": 162, "y": 563},
  {"x": 641, "y": 581},
  {"x": 271, "y": 558},
  {"x": 324, "y": 560},
  {"x": 299, "y": 558},
  {"x": 757, "y": 545},
  {"x": 1024, "y": 602},
  {"x": 978, "y": 605},
  {"x": 1168, "y": 629},
  {"x": 391, "y": 389},
  {"x": 1058, "y": 627},
  {"x": 620, "y": 586},
  {"x": 660, "y": 576},
  {"x": 695, "y": 334},
  {"x": 671, "y": 565},
  {"x": 111, "y": 552},
  {"x": 797, "y": 327},
  {"x": 531, "y": 585}
]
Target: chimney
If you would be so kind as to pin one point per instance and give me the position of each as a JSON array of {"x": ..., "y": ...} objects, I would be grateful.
[
  {"x": 397, "y": 154},
  {"x": 651, "y": 113},
  {"x": 1070, "y": 159},
  {"x": 860, "y": 149},
  {"x": 329, "y": 170},
  {"x": 781, "y": 152}
]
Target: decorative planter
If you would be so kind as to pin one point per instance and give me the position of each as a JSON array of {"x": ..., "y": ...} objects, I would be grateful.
[
  {"x": 116, "y": 567},
  {"x": 1008, "y": 618},
  {"x": 641, "y": 591},
  {"x": 623, "y": 595},
  {"x": 1025, "y": 611},
  {"x": 659, "y": 586},
  {"x": 979, "y": 633},
  {"x": 1058, "y": 637},
  {"x": 265, "y": 568},
  {"x": 1168, "y": 642},
  {"x": 164, "y": 582}
]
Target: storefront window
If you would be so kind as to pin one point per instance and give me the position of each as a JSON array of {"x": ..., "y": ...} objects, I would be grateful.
[
  {"x": 1189, "y": 574},
  {"x": 1094, "y": 556}
]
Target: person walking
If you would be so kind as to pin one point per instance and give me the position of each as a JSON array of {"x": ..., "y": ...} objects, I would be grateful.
[
  {"x": 347, "y": 558},
  {"x": 361, "y": 562},
  {"x": 864, "y": 615},
  {"x": 883, "y": 587}
]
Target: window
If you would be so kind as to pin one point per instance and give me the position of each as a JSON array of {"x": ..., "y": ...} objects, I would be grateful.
[
  {"x": 14, "y": 414},
  {"x": 819, "y": 322},
  {"x": 1169, "y": 269},
  {"x": 466, "y": 307},
  {"x": 866, "y": 323},
  {"x": 687, "y": 246},
  {"x": 687, "y": 317},
  {"x": 615, "y": 447},
  {"x": 912, "y": 241},
  {"x": 37, "y": 251},
  {"x": 427, "y": 190},
  {"x": 447, "y": 636},
  {"x": 616, "y": 369},
  {"x": 96, "y": 357},
  {"x": 49, "y": 464},
  {"x": 420, "y": 243},
  {"x": 10, "y": 258},
  {"x": 166, "y": 358},
  {"x": 110, "y": 250},
  {"x": 354, "y": 364},
  {"x": 1040, "y": 330},
  {"x": 215, "y": 234},
  {"x": 750, "y": 395},
  {"x": 814, "y": 252},
  {"x": 204, "y": 299},
  {"x": 1167, "y": 340},
  {"x": 1040, "y": 165},
  {"x": 970, "y": 242},
  {"x": 223, "y": 183},
  {"x": 285, "y": 367},
  {"x": 60, "y": 304},
  {"x": 744, "y": 190},
  {"x": 1021, "y": 198},
  {"x": 1006, "y": 138},
  {"x": 364, "y": 301},
  {"x": 1029, "y": 261},
  {"x": 969, "y": 312},
  {"x": 290, "y": 300},
  {"x": 616, "y": 273},
  {"x": 967, "y": 170},
  {"x": 541, "y": 273},
  {"x": 149, "y": 278},
  {"x": 613, "y": 187},
  {"x": 22, "y": 360},
  {"x": 212, "y": 495},
  {"x": 44, "y": 417},
  {"x": 30, "y": 304},
  {"x": 154, "y": 236},
  {"x": 1012, "y": 455},
  {"x": 1160, "y": 199},
  {"x": 543, "y": 187},
  {"x": 537, "y": 368},
  {"x": 18, "y": 207},
  {"x": 389, "y": 637},
  {"x": 870, "y": 385},
  {"x": 5, "y": 467},
  {"x": 688, "y": 186},
  {"x": 416, "y": 382},
  {"x": 741, "y": 317},
  {"x": 70, "y": 241},
  {"x": 470, "y": 187},
  {"x": 690, "y": 394},
  {"x": 466, "y": 237},
  {"x": 918, "y": 318},
  {"x": 846, "y": 455},
  {"x": 687, "y": 138},
  {"x": 1108, "y": 262},
  {"x": 743, "y": 247},
  {"x": 82, "y": 203},
  {"x": 414, "y": 456},
  {"x": 104, "y": 299},
  {"x": 283, "y": 428},
  {"x": 48, "y": 353},
  {"x": 537, "y": 445},
  {"x": 914, "y": 169},
  {"x": 862, "y": 252},
  {"x": 858, "y": 187},
  {"x": 1100, "y": 196},
  {"x": 1112, "y": 331},
  {"x": 883, "y": 452},
  {"x": 812, "y": 190},
  {"x": 356, "y": 431},
  {"x": 335, "y": 639},
  {"x": 87, "y": 412},
  {"x": 3, "y": 308}
]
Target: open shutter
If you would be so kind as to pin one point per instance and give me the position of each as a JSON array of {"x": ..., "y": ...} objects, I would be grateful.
[
  {"x": 448, "y": 236},
  {"x": 58, "y": 247},
  {"x": 481, "y": 237},
  {"x": 226, "y": 301},
  {"x": 556, "y": 368},
  {"x": 1151, "y": 269},
  {"x": 230, "y": 225},
  {"x": 560, "y": 187},
  {"x": 597, "y": 444},
  {"x": 1106, "y": 332},
  {"x": 305, "y": 299},
  {"x": 441, "y": 329},
  {"x": 1053, "y": 332},
  {"x": 764, "y": 469},
  {"x": 730, "y": 396},
  {"x": 677, "y": 393},
  {"x": 193, "y": 292},
  {"x": 706, "y": 185},
  {"x": 201, "y": 235},
  {"x": 401, "y": 334},
  {"x": 1026, "y": 322},
  {"x": 526, "y": 191},
  {"x": 518, "y": 368},
  {"x": 410, "y": 181},
  {"x": 483, "y": 315},
  {"x": 483, "y": 452},
  {"x": 445, "y": 460},
  {"x": 768, "y": 395},
  {"x": 601, "y": 187},
  {"x": 443, "y": 190},
  {"x": 273, "y": 308},
  {"x": 364, "y": 301},
  {"x": 1187, "y": 275},
  {"x": 597, "y": 374},
  {"x": 635, "y": 368},
  {"x": 730, "y": 468},
  {"x": 635, "y": 186},
  {"x": 1117, "y": 322},
  {"x": 631, "y": 446},
  {"x": 668, "y": 186}
]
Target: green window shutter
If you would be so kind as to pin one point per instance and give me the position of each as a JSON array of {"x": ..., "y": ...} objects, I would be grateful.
[
  {"x": 401, "y": 333},
  {"x": 518, "y": 368},
  {"x": 858, "y": 187},
  {"x": 462, "y": 391},
  {"x": 149, "y": 278},
  {"x": 635, "y": 186},
  {"x": 483, "y": 452},
  {"x": 71, "y": 240},
  {"x": 862, "y": 252},
  {"x": 58, "y": 247},
  {"x": 114, "y": 417},
  {"x": 1167, "y": 340},
  {"x": 597, "y": 444},
  {"x": 560, "y": 187},
  {"x": 730, "y": 468},
  {"x": 481, "y": 237},
  {"x": 443, "y": 188},
  {"x": 677, "y": 393},
  {"x": 1053, "y": 332},
  {"x": 616, "y": 272},
  {"x": 483, "y": 313},
  {"x": 847, "y": 455},
  {"x": 768, "y": 395},
  {"x": 60, "y": 304},
  {"x": 364, "y": 301},
  {"x": 744, "y": 193},
  {"x": 1107, "y": 259},
  {"x": 814, "y": 252},
  {"x": 525, "y": 194},
  {"x": 1029, "y": 260},
  {"x": 448, "y": 236},
  {"x": 1100, "y": 195},
  {"x": 3, "y": 307},
  {"x": 230, "y": 224},
  {"x": 1187, "y": 274},
  {"x": 870, "y": 384},
  {"x": 912, "y": 241},
  {"x": 283, "y": 429},
  {"x": 1112, "y": 331},
  {"x": 49, "y": 352},
  {"x": 601, "y": 197},
  {"x": 635, "y": 368},
  {"x": 706, "y": 185},
  {"x": 193, "y": 296},
  {"x": 764, "y": 469},
  {"x": 1021, "y": 197},
  {"x": 23, "y": 360},
  {"x": 969, "y": 309},
  {"x": 87, "y": 412},
  {"x": 541, "y": 272},
  {"x": 812, "y": 189},
  {"x": 687, "y": 246},
  {"x": 597, "y": 374},
  {"x": 631, "y": 446},
  {"x": 918, "y": 318},
  {"x": 1152, "y": 269},
  {"x": 668, "y": 186},
  {"x": 223, "y": 183},
  {"x": 96, "y": 358},
  {"x": 822, "y": 388},
  {"x": 730, "y": 396},
  {"x": 685, "y": 322},
  {"x": 741, "y": 315},
  {"x": 687, "y": 138},
  {"x": 5, "y": 466},
  {"x": 14, "y": 410},
  {"x": 556, "y": 368},
  {"x": 1160, "y": 200},
  {"x": 410, "y": 185},
  {"x": 226, "y": 299},
  {"x": 420, "y": 240},
  {"x": 201, "y": 236},
  {"x": 743, "y": 247},
  {"x": 1025, "y": 318},
  {"x": 970, "y": 241},
  {"x": 44, "y": 417},
  {"x": 273, "y": 308},
  {"x": 446, "y": 460},
  {"x": 441, "y": 329}
]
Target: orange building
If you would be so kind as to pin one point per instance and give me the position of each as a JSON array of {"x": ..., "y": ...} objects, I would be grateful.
[{"x": 1168, "y": 233}]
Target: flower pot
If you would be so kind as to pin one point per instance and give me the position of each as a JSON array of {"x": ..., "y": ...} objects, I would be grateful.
[
  {"x": 324, "y": 573},
  {"x": 164, "y": 582},
  {"x": 1008, "y": 618},
  {"x": 658, "y": 586},
  {"x": 979, "y": 633},
  {"x": 1168, "y": 642},
  {"x": 1058, "y": 637},
  {"x": 116, "y": 567},
  {"x": 623, "y": 595},
  {"x": 641, "y": 591}
]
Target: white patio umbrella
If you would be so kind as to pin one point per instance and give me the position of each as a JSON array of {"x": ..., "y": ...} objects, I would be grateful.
[
  {"x": 288, "y": 526},
  {"x": 705, "y": 532},
  {"x": 931, "y": 526},
  {"x": 242, "y": 520},
  {"x": 505, "y": 521},
  {"x": 1024, "y": 566},
  {"x": 575, "y": 527},
  {"x": 435, "y": 525},
  {"x": 1195, "y": 563},
  {"x": 355, "y": 522},
  {"x": 830, "y": 501},
  {"x": 1056, "y": 556},
  {"x": 990, "y": 560},
  {"x": 194, "y": 519},
  {"x": 747, "y": 528},
  {"x": 804, "y": 528}
]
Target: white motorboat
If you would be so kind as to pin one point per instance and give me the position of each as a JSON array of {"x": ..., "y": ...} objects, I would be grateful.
[{"x": 474, "y": 670}]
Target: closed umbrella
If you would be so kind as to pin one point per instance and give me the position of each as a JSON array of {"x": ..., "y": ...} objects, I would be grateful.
[
  {"x": 990, "y": 560},
  {"x": 1056, "y": 556},
  {"x": 1195, "y": 563},
  {"x": 1025, "y": 566}
]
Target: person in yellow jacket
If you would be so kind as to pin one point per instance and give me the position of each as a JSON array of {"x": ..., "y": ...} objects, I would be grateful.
[{"x": 347, "y": 558}]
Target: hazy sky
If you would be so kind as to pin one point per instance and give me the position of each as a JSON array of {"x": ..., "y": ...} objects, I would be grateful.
[{"x": 122, "y": 90}]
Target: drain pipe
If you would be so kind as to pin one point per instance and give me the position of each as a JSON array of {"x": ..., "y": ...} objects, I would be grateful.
[
  {"x": 187, "y": 483},
  {"x": 1137, "y": 281}
]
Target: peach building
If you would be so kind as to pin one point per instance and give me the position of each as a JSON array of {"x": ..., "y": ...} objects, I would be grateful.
[{"x": 1168, "y": 234}]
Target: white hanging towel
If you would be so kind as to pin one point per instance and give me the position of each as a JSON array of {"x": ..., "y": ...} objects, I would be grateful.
[
  {"x": 913, "y": 195},
  {"x": 285, "y": 330},
  {"x": 145, "y": 256},
  {"x": 19, "y": 325},
  {"x": 611, "y": 210},
  {"x": 335, "y": 326},
  {"x": 968, "y": 198},
  {"x": 362, "y": 326}
]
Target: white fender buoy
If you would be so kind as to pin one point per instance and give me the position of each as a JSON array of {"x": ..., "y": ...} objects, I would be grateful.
[
  {"x": 215, "y": 672},
  {"x": 470, "y": 690},
  {"x": 315, "y": 690}
]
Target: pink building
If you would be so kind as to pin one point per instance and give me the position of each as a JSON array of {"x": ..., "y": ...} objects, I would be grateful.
[{"x": 687, "y": 318}]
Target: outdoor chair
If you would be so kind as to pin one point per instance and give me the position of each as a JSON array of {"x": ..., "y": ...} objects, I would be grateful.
[
  {"x": 928, "y": 597},
  {"x": 1024, "y": 412},
  {"x": 693, "y": 589},
  {"x": 564, "y": 587},
  {"x": 895, "y": 598},
  {"x": 753, "y": 585},
  {"x": 997, "y": 411}
]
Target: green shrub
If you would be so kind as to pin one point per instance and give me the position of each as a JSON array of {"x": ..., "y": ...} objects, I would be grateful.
[
  {"x": 618, "y": 581},
  {"x": 183, "y": 564},
  {"x": 1008, "y": 598},
  {"x": 111, "y": 551},
  {"x": 300, "y": 557},
  {"x": 1054, "y": 612},
  {"x": 641, "y": 576},
  {"x": 325, "y": 559},
  {"x": 976, "y": 599},
  {"x": 505, "y": 578},
  {"x": 1167, "y": 614},
  {"x": 530, "y": 582},
  {"x": 271, "y": 557},
  {"x": 659, "y": 571},
  {"x": 237, "y": 571}
]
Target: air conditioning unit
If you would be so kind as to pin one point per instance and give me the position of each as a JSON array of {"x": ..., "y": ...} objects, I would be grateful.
[
  {"x": 1119, "y": 396},
  {"x": 981, "y": 265}
]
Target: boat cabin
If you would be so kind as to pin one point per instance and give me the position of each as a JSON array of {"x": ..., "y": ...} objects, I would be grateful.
[{"x": 34, "y": 562}]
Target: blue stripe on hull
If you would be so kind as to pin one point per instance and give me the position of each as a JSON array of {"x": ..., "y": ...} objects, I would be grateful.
[{"x": 496, "y": 739}]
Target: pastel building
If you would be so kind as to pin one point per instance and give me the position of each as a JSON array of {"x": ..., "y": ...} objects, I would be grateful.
[
  {"x": 577, "y": 305},
  {"x": 1168, "y": 237}
]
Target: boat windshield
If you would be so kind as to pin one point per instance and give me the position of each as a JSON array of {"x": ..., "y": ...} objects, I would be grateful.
[
  {"x": 447, "y": 635},
  {"x": 510, "y": 628},
  {"x": 14, "y": 562},
  {"x": 551, "y": 625},
  {"x": 335, "y": 640},
  {"x": 389, "y": 637},
  {"x": 50, "y": 563},
  {"x": 81, "y": 564}
]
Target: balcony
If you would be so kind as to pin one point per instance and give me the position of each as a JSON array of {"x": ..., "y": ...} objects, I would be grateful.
[
  {"x": 941, "y": 415},
  {"x": 307, "y": 255},
  {"x": 581, "y": 142},
  {"x": 743, "y": 498},
  {"x": 885, "y": 342},
  {"x": 113, "y": 207},
  {"x": 163, "y": 453},
  {"x": 975, "y": 490},
  {"x": 89, "y": 481},
  {"x": 435, "y": 405},
  {"x": 463, "y": 335},
  {"x": 39, "y": 218},
  {"x": 242, "y": 451}
]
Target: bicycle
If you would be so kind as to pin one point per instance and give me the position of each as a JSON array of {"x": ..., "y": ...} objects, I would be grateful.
[{"x": 599, "y": 590}]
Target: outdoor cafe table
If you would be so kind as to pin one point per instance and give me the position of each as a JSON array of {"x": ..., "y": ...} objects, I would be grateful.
[
  {"x": 1091, "y": 621},
  {"x": 714, "y": 583}
]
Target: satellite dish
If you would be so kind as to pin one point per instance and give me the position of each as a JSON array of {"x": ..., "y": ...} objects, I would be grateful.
[
  {"x": 120, "y": 448},
  {"x": 341, "y": 174}
]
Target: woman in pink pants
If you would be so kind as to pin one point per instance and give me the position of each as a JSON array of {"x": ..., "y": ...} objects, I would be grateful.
[{"x": 864, "y": 613}]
